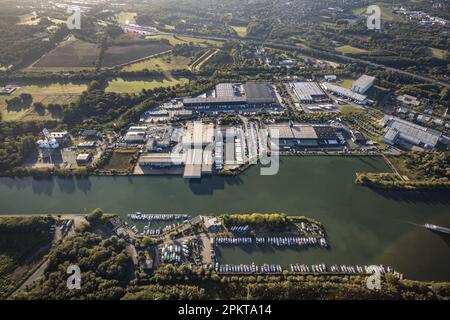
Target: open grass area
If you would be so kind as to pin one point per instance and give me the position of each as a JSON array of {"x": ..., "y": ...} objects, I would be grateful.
[
  {"x": 121, "y": 160},
  {"x": 30, "y": 19},
  {"x": 386, "y": 11},
  {"x": 439, "y": 53},
  {"x": 350, "y": 50},
  {"x": 346, "y": 82},
  {"x": 197, "y": 64},
  {"x": 241, "y": 31},
  {"x": 119, "y": 55},
  {"x": 163, "y": 63},
  {"x": 349, "y": 110},
  {"x": 47, "y": 93},
  {"x": 71, "y": 53},
  {"x": 175, "y": 39},
  {"x": 135, "y": 85},
  {"x": 125, "y": 17}
]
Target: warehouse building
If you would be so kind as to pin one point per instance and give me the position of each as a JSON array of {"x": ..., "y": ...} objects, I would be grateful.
[
  {"x": 363, "y": 83},
  {"x": 346, "y": 93},
  {"x": 229, "y": 97},
  {"x": 309, "y": 92},
  {"x": 304, "y": 136},
  {"x": 399, "y": 131},
  {"x": 161, "y": 160}
]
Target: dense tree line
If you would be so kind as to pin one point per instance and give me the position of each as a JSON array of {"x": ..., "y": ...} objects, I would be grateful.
[{"x": 105, "y": 269}]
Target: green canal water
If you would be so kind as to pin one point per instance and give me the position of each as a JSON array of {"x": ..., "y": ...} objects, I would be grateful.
[{"x": 364, "y": 226}]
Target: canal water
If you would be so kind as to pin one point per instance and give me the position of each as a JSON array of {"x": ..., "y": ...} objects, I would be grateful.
[{"x": 364, "y": 226}]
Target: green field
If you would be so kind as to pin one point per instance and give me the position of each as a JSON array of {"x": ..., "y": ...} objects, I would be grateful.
[
  {"x": 163, "y": 63},
  {"x": 386, "y": 11},
  {"x": 125, "y": 17},
  {"x": 175, "y": 39},
  {"x": 120, "y": 160},
  {"x": 346, "y": 82},
  {"x": 135, "y": 85},
  {"x": 47, "y": 93},
  {"x": 71, "y": 54},
  {"x": 241, "y": 31},
  {"x": 350, "y": 50},
  {"x": 439, "y": 53}
]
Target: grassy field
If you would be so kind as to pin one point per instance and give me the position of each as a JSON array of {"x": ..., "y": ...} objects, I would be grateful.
[
  {"x": 118, "y": 55},
  {"x": 386, "y": 11},
  {"x": 346, "y": 82},
  {"x": 197, "y": 64},
  {"x": 71, "y": 53},
  {"x": 120, "y": 160},
  {"x": 439, "y": 53},
  {"x": 30, "y": 19},
  {"x": 174, "y": 40},
  {"x": 241, "y": 31},
  {"x": 135, "y": 85},
  {"x": 125, "y": 17},
  {"x": 350, "y": 50},
  {"x": 163, "y": 63},
  {"x": 47, "y": 93}
]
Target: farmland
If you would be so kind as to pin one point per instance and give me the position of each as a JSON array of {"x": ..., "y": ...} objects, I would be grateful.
[
  {"x": 163, "y": 63},
  {"x": 125, "y": 17},
  {"x": 439, "y": 53},
  {"x": 135, "y": 85},
  {"x": 122, "y": 54},
  {"x": 71, "y": 53},
  {"x": 241, "y": 31},
  {"x": 350, "y": 50},
  {"x": 197, "y": 64},
  {"x": 46, "y": 93},
  {"x": 175, "y": 39}
]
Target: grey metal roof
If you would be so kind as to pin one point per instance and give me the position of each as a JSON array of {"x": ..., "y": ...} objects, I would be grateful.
[{"x": 258, "y": 93}]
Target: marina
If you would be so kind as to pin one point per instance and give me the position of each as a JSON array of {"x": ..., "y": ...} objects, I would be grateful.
[
  {"x": 303, "y": 268},
  {"x": 389, "y": 231},
  {"x": 272, "y": 241}
]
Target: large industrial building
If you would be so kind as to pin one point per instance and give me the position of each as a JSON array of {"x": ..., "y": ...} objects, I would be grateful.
[
  {"x": 404, "y": 131},
  {"x": 309, "y": 92},
  {"x": 304, "y": 136},
  {"x": 230, "y": 97},
  {"x": 362, "y": 84},
  {"x": 346, "y": 93}
]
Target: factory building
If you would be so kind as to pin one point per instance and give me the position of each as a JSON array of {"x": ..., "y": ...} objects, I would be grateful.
[
  {"x": 346, "y": 93},
  {"x": 309, "y": 92},
  {"x": 399, "y": 131},
  {"x": 198, "y": 144},
  {"x": 229, "y": 97},
  {"x": 135, "y": 137},
  {"x": 362, "y": 84},
  {"x": 304, "y": 136},
  {"x": 161, "y": 160}
]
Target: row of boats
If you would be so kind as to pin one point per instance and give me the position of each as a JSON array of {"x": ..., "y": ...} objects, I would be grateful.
[
  {"x": 174, "y": 253},
  {"x": 155, "y": 231},
  {"x": 303, "y": 268},
  {"x": 239, "y": 228},
  {"x": 248, "y": 268},
  {"x": 318, "y": 268},
  {"x": 274, "y": 241},
  {"x": 139, "y": 216}
]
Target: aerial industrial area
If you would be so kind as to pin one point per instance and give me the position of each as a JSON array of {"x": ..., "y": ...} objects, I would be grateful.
[
  {"x": 224, "y": 150},
  {"x": 194, "y": 148}
]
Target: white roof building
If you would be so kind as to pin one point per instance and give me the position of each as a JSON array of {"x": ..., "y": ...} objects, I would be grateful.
[{"x": 363, "y": 83}]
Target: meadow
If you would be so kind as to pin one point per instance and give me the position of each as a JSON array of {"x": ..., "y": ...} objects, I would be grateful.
[
  {"x": 71, "y": 53},
  {"x": 135, "y": 85},
  {"x": 46, "y": 93}
]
